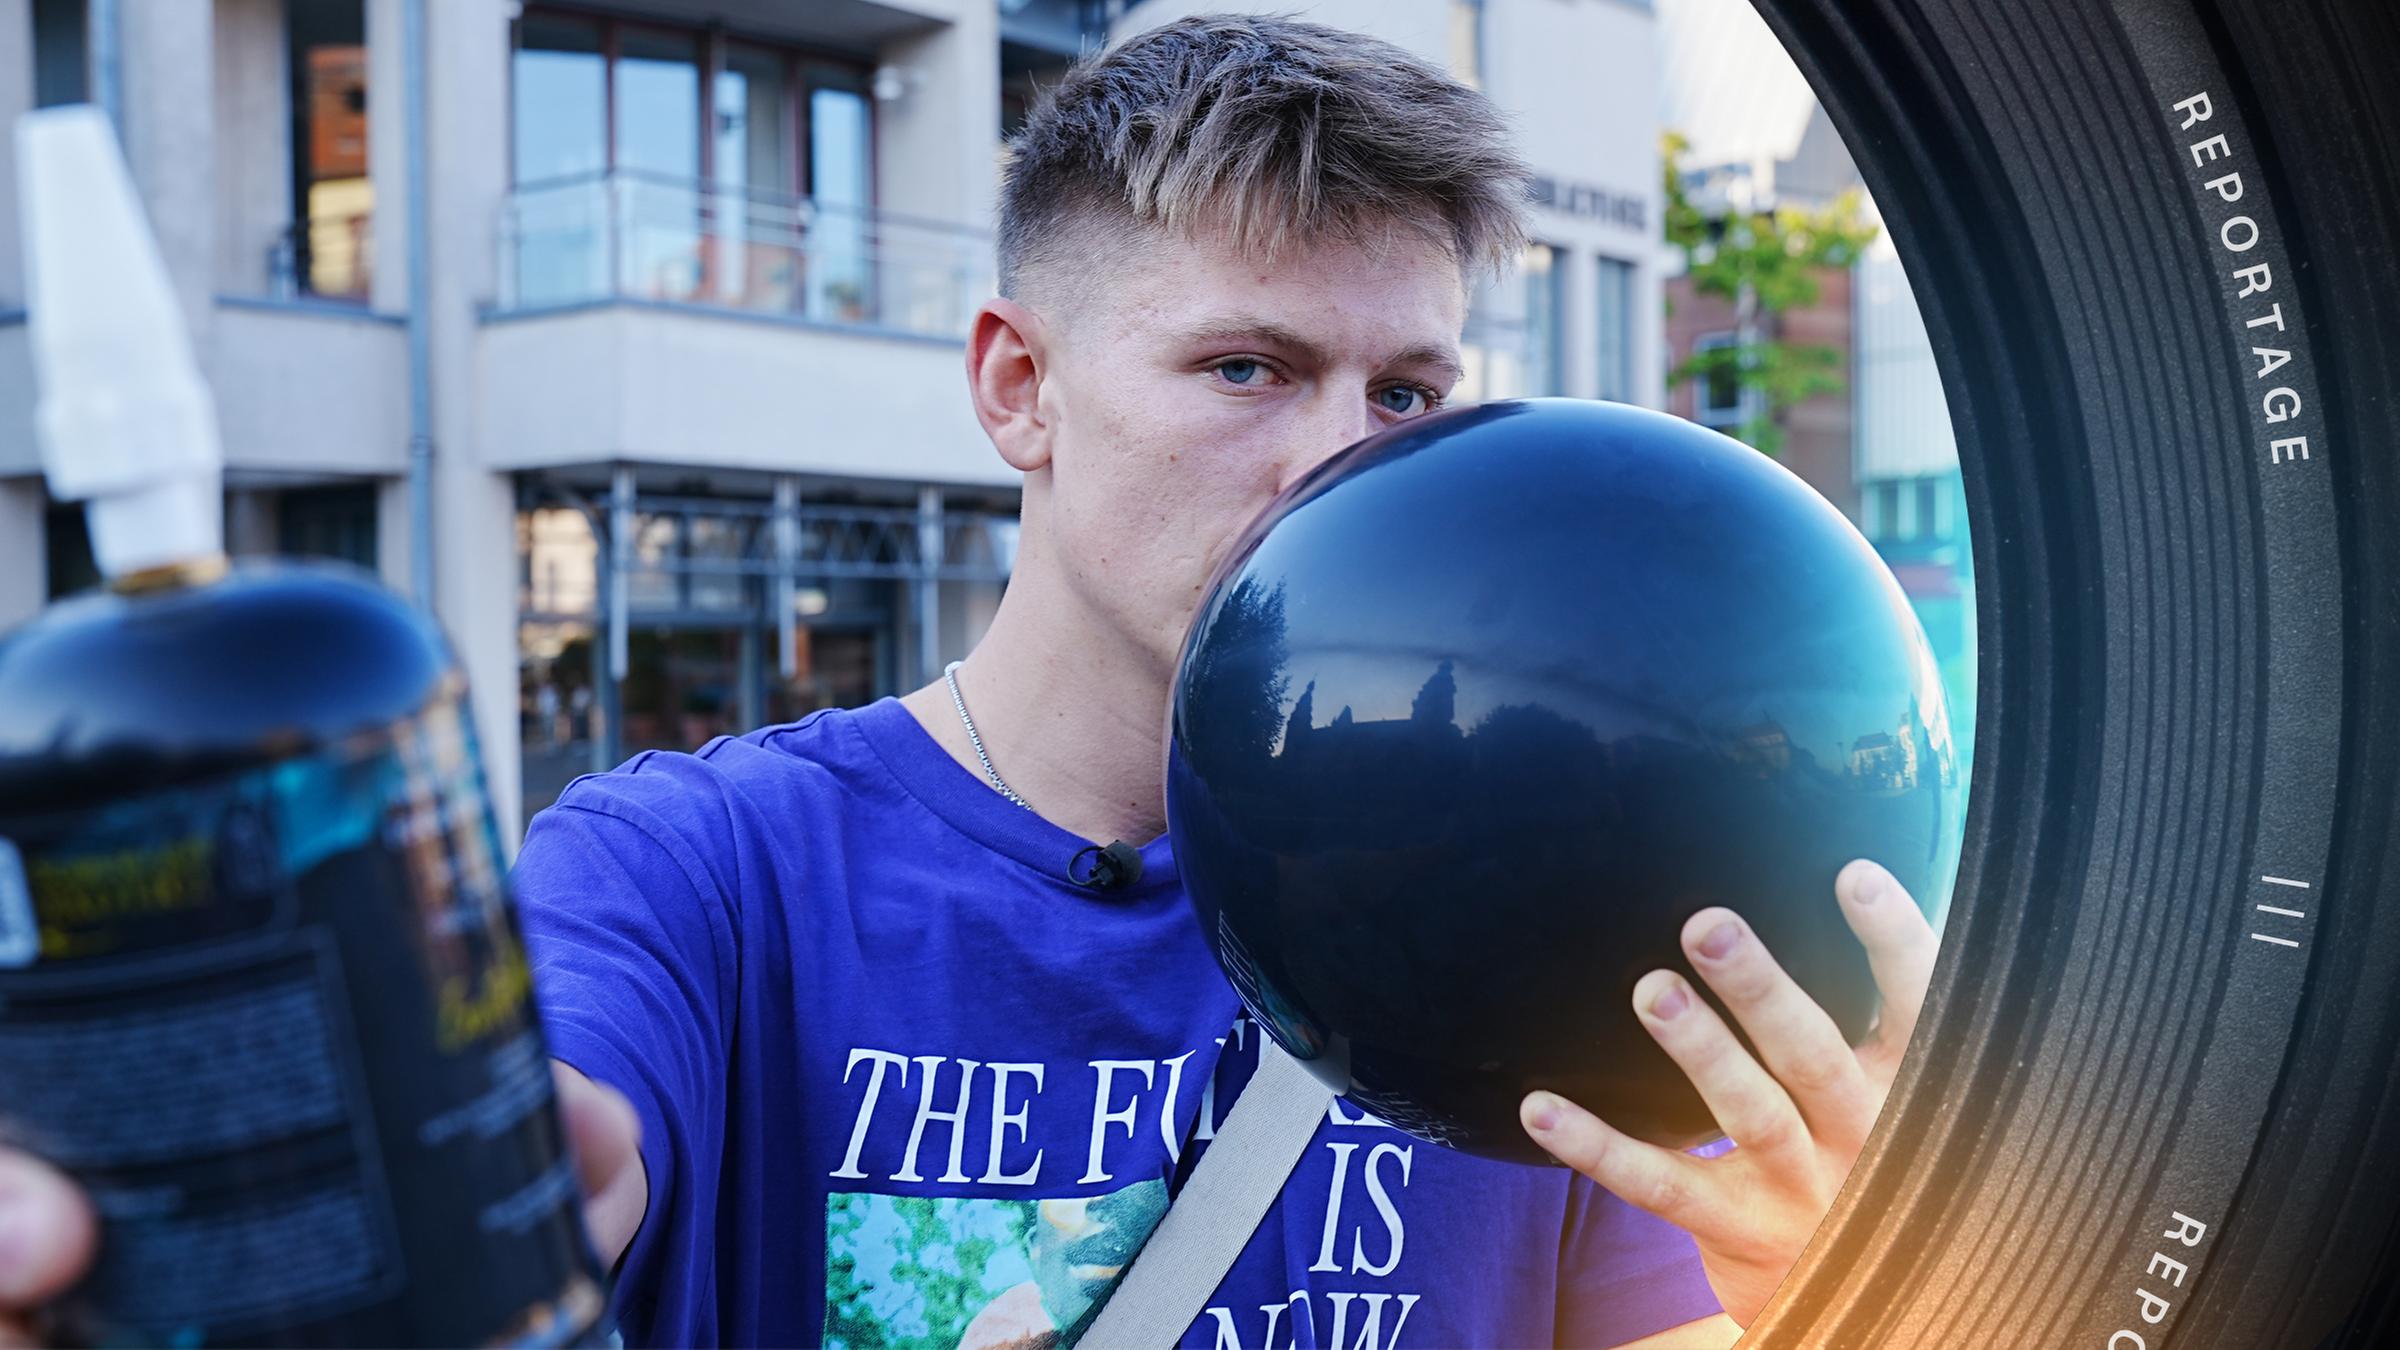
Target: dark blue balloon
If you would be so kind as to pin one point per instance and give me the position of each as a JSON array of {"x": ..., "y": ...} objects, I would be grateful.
[{"x": 1478, "y": 713}]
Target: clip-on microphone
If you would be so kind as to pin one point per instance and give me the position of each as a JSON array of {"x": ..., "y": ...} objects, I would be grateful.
[{"x": 1113, "y": 868}]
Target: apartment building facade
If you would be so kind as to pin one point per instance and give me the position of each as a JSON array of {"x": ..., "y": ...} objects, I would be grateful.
[{"x": 648, "y": 367}]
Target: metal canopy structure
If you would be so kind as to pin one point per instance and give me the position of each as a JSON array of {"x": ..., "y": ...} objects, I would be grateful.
[{"x": 774, "y": 548}]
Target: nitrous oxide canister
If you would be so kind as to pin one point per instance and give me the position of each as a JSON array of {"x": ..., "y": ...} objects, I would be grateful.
[{"x": 261, "y": 988}]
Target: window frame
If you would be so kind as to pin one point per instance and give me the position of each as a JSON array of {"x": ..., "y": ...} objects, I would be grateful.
[
  {"x": 711, "y": 42},
  {"x": 1620, "y": 335},
  {"x": 1707, "y": 413},
  {"x": 1546, "y": 343}
]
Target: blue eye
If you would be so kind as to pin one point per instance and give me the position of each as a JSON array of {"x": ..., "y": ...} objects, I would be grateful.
[
  {"x": 1413, "y": 399},
  {"x": 1238, "y": 371}
]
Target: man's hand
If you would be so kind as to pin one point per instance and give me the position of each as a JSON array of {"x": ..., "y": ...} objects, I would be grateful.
[
  {"x": 48, "y": 1234},
  {"x": 607, "y": 1139},
  {"x": 1797, "y": 1123}
]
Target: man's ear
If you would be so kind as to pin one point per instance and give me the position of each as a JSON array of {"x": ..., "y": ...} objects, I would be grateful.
[{"x": 1007, "y": 359}]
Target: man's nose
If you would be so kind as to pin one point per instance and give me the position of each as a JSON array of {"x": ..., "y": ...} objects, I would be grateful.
[{"x": 1333, "y": 425}]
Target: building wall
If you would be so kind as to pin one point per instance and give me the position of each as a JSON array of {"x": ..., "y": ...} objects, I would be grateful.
[
  {"x": 934, "y": 144},
  {"x": 688, "y": 387},
  {"x": 169, "y": 130},
  {"x": 1818, "y": 431},
  {"x": 1420, "y": 26},
  {"x": 1904, "y": 419},
  {"x": 253, "y": 118},
  {"x": 1690, "y": 316},
  {"x": 313, "y": 392},
  {"x": 1587, "y": 116},
  {"x": 1596, "y": 139},
  {"x": 310, "y": 389},
  {"x": 16, "y": 96},
  {"x": 474, "y": 508},
  {"x": 19, "y": 454},
  {"x": 24, "y": 571}
]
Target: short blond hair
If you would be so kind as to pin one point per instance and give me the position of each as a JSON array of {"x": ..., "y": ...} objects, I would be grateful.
[{"x": 1273, "y": 130}]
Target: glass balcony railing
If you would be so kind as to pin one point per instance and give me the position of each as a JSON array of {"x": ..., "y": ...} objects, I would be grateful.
[
  {"x": 642, "y": 236},
  {"x": 329, "y": 256}
]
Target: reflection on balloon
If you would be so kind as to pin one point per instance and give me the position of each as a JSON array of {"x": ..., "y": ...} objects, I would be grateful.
[{"x": 1476, "y": 715}]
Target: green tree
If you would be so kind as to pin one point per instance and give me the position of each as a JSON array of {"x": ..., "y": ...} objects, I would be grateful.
[
  {"x": 850, "y": 1321},
  {"x": 922, "y": 1291},
  {"x": 1765, "y": 262},
  {"x": 945, "y": 1265}
]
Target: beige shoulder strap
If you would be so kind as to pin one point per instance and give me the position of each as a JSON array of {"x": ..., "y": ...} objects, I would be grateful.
[{"x": 1230, "y": 1190}]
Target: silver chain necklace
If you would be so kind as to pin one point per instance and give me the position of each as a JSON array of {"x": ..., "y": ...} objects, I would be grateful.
[{"x": 950, "y": 674}]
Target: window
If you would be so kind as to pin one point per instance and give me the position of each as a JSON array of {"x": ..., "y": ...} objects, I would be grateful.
[
  {"x": 559, "y": 144},
  {"x": 1615, "y": 331},
  {"x": 67, "y": 550},
  {"x": 329, "y": 250},
  {"x": 655, "y": 133},
  {"x": 327, "y": 522},
  {"x": 754, "y": 160},
  {"x": 670, "y": 163},
  {"x": 61, "y": 60},
  {"x": 1545, "y": 355},
  {"x": 561, "y": 87},
  {"x": 656, "y": 116},
  {"x": 594, "y": 94},
  {"x": 840, "y": 185},
  {"x": 1512, "y": 345},
  {"x": 754, "y": 120},
  {"x": 1717, "y": 396},
  {"x": 1025, "y": 71}
]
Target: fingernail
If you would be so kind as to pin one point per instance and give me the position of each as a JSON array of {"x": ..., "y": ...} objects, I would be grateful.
[
  {"x": 1870, "y": 885},
  {"x": 1721, "y": 940},
  {"x": 1670, "y": 1003},
  {"x": 1542, "y": 1112}
]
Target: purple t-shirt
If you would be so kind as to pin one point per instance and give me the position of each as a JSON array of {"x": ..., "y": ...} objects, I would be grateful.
[{"x": 901, "y": 1083}]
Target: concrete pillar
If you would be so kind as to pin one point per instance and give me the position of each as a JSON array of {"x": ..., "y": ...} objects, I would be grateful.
[
  {"x": 391, "y": 532},
  {"x": 24, "y": 562},
  {"x": 1578, "y": 322},
  {"x": 936, "y": 145},
  {"x": 474, "y": 509},
  {"x": 387, "y": 174},
  {"x": 170, "y": 141},
  {"x": 254, "y": 142},
  {"x": 783, "y": 594},
  {"x": 22, "y": 573},
  {"x": 1650, "y": 332},
  {"x": 250, "y": 523},
  {"x": 967, "y": 610},
  {"x": 387, "y": 167},
  {"x": 16, "y": 96},
  {"x": 611, "y": 651},
  {"x": 925, "y": 591}
]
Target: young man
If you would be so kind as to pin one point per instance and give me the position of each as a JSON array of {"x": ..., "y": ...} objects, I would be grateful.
[{"x": 896, "y": 1075}]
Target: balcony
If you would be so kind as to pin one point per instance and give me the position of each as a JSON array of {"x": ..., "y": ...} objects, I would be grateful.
[
  {"x": 645, "y": 319},
  {"x": 329, "y": 257},
  {"x": 635, "y": 236}
]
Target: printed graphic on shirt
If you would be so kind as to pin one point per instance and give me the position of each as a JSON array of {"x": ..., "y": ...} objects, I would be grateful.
[
  {"x": 1004, "y": 1273},
  {"x": 910, "y": 1272}
]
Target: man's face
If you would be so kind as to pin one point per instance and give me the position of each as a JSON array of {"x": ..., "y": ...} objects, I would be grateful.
[{"x": 1197, "y": 382}]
